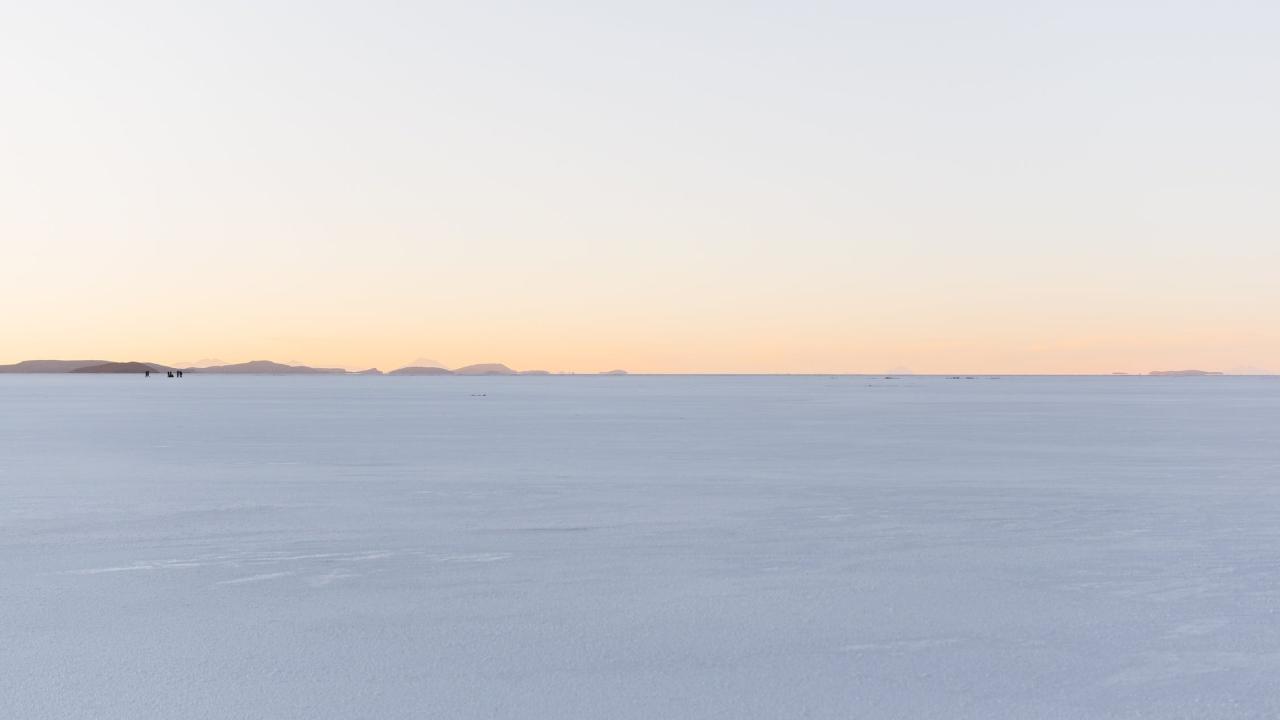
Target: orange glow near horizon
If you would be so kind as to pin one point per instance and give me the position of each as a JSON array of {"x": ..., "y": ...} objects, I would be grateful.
[{"x": 780, "y": 189}]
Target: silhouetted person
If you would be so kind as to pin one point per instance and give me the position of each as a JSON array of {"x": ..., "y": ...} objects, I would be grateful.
[
  {"x": 170, "y": 373},
  {"x": 179, "y": 373},
  {"x": 146, "y": 373}
]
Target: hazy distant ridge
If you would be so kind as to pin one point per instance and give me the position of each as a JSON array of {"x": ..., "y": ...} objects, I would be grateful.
[
  {"x": 418, "y": 370},
  {"x": 119, "y": 368},
  {"x": 48, "y": 366},
  {"x": 256, "y": 367},
  {"x": 265, "y": 367},
  {"x": 1182, "y": 373}
]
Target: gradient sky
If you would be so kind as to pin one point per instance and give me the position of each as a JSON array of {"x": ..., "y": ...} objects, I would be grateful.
[{"x": 661, "y": 186}]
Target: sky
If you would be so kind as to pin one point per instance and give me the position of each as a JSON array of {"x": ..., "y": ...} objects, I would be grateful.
[{"x": 1036, "y": 187}]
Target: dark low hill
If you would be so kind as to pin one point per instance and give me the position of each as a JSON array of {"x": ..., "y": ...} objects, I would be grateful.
[
  {"x": 265, "y": 367},
  {"x": 421, "y": 371},
  {"x": 121, "y": 368},
  {"x": 49, "y": 366},
  {"x": 485, "y": 369}
]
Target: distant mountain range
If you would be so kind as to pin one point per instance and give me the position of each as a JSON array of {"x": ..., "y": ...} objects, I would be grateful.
[
  {"x": 253, "y": 367},
  {"x": 268, "y": 367}
]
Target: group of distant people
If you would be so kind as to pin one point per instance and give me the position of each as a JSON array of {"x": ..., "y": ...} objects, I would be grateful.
[{"x": 170, "y": 373}]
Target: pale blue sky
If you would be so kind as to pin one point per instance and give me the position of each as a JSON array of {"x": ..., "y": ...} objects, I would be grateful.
[{"x": 664, "y": 186}]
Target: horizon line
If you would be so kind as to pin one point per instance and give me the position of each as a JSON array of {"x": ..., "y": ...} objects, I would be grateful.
[{"x": 495, "y": 369}]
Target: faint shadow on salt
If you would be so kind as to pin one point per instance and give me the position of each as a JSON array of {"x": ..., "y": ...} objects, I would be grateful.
[
  {"x": 239, "y": 560},
  {"x": 551, "y": 529}
]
